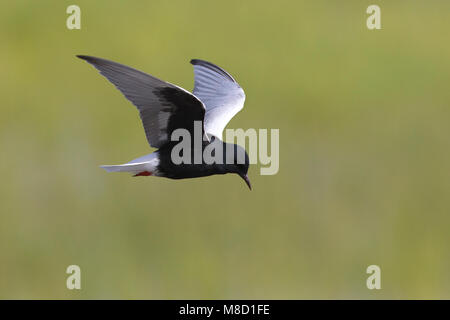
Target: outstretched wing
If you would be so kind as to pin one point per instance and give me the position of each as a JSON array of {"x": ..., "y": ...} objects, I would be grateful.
[
  {"x": 163, "y": 107},
  {"x": 220, "y": 93}
]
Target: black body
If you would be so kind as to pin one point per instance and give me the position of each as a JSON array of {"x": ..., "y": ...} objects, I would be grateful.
[{"x": 238, "y": 161}]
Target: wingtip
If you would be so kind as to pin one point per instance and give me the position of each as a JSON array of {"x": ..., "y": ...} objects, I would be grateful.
[
  {"x": 83, "y": 57},
  {"x": 202, "y": 62},
  {"x": 212, "y": 66}
]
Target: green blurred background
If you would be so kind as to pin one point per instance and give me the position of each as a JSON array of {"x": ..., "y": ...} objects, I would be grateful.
[{"x": 364, "y": 152}]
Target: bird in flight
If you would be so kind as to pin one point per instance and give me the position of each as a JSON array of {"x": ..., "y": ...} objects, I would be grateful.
[{"x": 165, "y": 107}]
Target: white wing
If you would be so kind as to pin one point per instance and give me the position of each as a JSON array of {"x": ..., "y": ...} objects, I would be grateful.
[{"x": 219, "y": 92}]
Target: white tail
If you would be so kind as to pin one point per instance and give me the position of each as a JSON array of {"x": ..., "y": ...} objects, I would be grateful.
[{"x": 148, "y": 164}]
